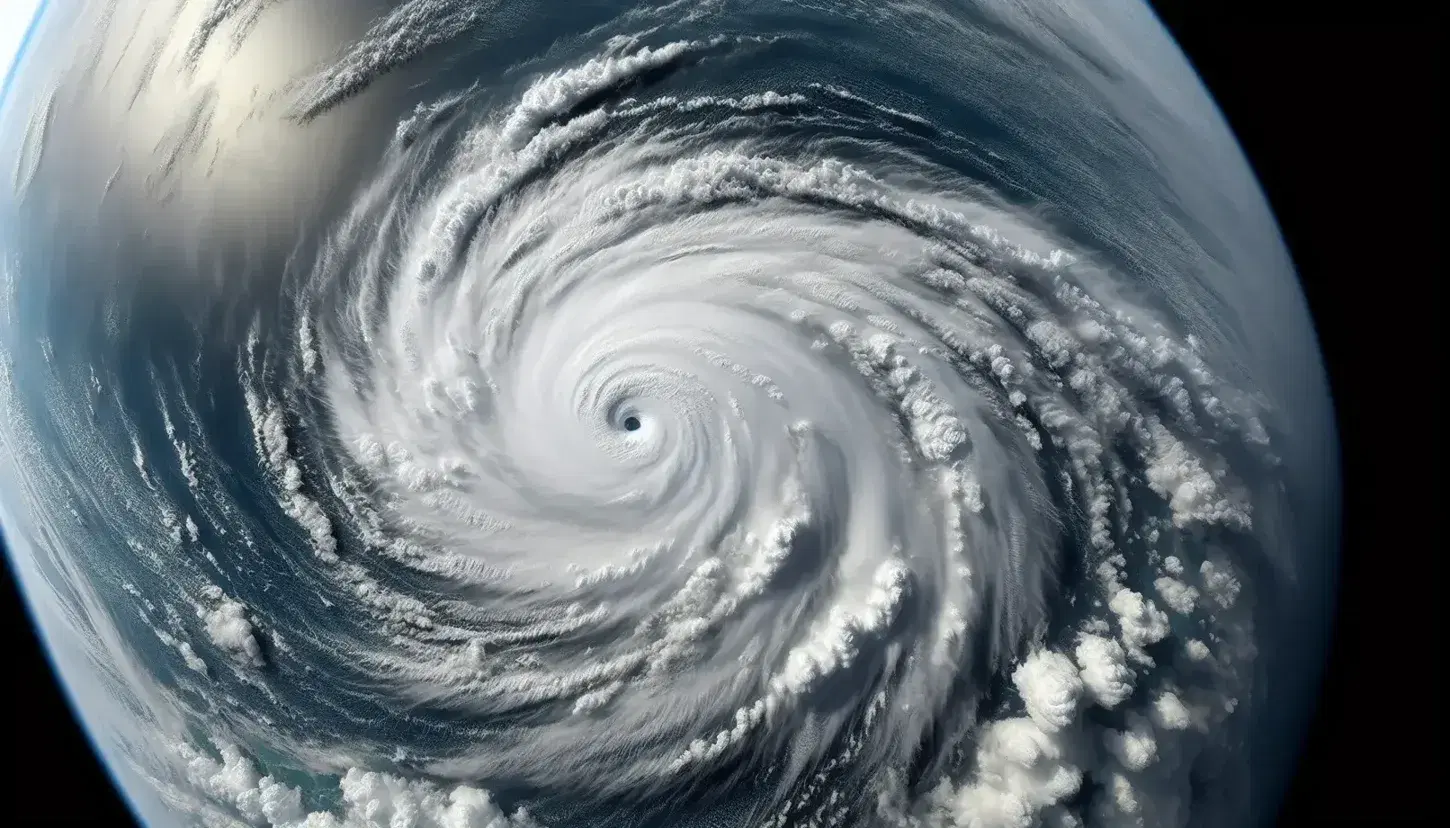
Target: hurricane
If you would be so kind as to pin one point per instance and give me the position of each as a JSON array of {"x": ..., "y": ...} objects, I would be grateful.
[{"x": 709, "y": 414}]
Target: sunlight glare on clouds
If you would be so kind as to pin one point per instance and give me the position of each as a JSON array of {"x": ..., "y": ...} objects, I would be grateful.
[{"x": 15, "y": 19}]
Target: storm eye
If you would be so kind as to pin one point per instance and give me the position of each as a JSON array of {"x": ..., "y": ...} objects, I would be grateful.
[{"x": 631, "y": 423}]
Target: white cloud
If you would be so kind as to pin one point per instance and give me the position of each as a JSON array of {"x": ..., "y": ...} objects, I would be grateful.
[
  {"x": 1220, "y": 583},
  {"x": 1169, "y": 712},
  {"x": 1105, "y": 671},
  {"x": 1050, "y": 687},
  {"x": 269, "y": 429},
  {"x": 1020, "y": 771},
  {"x": 230, "y": 629},
  {"x": 15, "y": 20},
  {"x": 1196, "y": 650},
  {"x": 1193, "y": 493},
  {"x": 1141, "y": 622},
  {"x": 1135, "y": 748},
  {"x": 369, "y": 799},
  {"x": 1180, "y": 597}
]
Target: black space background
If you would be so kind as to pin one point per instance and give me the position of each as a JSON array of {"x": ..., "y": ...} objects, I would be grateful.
[{"x": 1339, "y": 115}]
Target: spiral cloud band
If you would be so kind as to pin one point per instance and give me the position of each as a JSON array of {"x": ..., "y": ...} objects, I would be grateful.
[
  {"x": 644, "y": 453},
  {"x": 864, "y": 423}
]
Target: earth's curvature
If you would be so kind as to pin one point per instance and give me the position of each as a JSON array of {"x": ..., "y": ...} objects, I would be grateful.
[{"x": 447, "y": 413}]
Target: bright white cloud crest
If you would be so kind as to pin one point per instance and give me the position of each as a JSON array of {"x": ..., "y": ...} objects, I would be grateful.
[{"x": 15, "y": 19}]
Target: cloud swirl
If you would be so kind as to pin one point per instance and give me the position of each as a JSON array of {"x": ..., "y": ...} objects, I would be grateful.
[{"x": 725, "y": 452}]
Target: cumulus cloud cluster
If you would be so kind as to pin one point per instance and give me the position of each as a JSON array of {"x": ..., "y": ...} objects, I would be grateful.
[
  {"x": 369, "y": 799},
  {"x": 230, "y": 629}
]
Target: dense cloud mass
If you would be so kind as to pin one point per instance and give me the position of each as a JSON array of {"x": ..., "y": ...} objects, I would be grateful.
[{"x": 670, "y": 431}]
